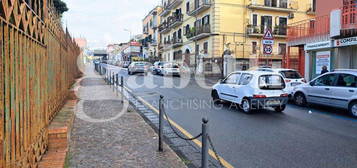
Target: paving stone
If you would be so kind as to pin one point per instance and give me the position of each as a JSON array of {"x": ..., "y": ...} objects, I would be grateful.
[{"x": 127, "y": 141}]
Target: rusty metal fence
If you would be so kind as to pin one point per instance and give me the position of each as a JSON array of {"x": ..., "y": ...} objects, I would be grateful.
[{"x": 38, "y": 65}]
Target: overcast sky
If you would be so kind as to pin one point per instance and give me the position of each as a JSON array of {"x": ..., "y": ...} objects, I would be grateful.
[{"x": 103, "y": 22}]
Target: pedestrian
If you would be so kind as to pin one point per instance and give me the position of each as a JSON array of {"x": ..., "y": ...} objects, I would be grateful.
[{"x": 324, "y": 69}]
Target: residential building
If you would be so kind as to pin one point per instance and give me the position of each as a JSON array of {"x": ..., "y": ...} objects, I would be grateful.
[
  {"x": 150, "y": 43},
  {"x": 329, "y": 39},
  {"x": 197, "y": 32}
]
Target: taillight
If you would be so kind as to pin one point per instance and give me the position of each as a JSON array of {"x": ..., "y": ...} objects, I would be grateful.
[
  {"x": 287, "y": 80},
  {"x": 304, "y": 80},
  {"x": 259, "y": 96},
  {"x": 284, "y": 95}
]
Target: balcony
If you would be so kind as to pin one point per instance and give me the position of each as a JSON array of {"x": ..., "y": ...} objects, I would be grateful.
[
  {"x": 258, "y": 31},
  {"x": 175, "y": 20},
  {"x": 154, "y": 43},
  {"x": 197, "y": 8},
  {"x": 307, "y": 30},
  {"x": 197, "y": 33},
  {"x": 283, "y": 6},
  {"x": 176, "y": 42},
  {"x": 167, "y": 45},
  {"x": 173, "y": 4},
  {"x": 164, "y": 27},
  {"x": 165, "y": 12}
]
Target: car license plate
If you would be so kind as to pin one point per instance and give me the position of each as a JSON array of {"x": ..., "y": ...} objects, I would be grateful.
[
  {"x": 273, "y": 102},
  {"x": 295, "y": 83}
]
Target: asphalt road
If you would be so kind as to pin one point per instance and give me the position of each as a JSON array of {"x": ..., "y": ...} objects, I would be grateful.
[{"x": 300, "y": 137}]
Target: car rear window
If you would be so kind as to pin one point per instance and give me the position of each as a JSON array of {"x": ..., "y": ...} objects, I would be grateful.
[
  {"x": 291, "y": 74},
  {"x": 271, "y": 82}
]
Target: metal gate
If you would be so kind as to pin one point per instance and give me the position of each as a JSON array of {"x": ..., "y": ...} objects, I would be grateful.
[{"x": 37, "y": 67}]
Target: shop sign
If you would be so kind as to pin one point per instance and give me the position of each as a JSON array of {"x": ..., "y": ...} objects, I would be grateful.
[
  {"x": 346, "y": 42},
  {"x": 318, "y": 46},
  {"x": 323, "y": 58}
]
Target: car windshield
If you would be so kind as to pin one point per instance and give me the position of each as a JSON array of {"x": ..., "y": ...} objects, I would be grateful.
[
  {"x": 271, "y": 82},
  {"x": 291, "y": 74}
]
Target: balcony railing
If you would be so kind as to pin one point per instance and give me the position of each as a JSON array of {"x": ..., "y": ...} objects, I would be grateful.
[
  {"x": 319, "y": 26},
  {"x": 164, "y": 27},
  {"x": 278, "y": 31},
  {"x": 175, "y": 20},
  {"x": 199, "y": 32},
  {"x": 283, "y": 6},
  {"x": 176, "y": 42},
  {"x": 197, "y": 8}
]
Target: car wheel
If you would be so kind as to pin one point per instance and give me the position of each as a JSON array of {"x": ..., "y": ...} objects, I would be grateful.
[
  {"x": 246, "y": 106},
  {"x": 128, "y": 72},
  {"x": 215, "y": 97},
  {"x": 280, "y": 109},
  {"x": 300, "y": 99},
  {"x": 353, "y": 109}
]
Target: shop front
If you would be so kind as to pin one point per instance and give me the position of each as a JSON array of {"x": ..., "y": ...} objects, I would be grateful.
[
  {"x": 347, "y": 53},
  {"x": 317, "y": 56}
]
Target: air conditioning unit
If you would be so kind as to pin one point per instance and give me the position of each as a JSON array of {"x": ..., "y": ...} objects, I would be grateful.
[{"x": 291, "y": 16}]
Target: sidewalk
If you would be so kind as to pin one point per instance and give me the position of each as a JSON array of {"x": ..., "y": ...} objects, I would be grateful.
[{"x": 127, "y": 141}]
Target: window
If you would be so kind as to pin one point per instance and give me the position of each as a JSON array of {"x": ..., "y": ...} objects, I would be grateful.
[
  {"x": 266, "y": 23},
  {"x": 205, "y": 47},
  {"x": 187, "y": 29},
  {"x": 326, "y": 80},
  {"x": 255, "y": 20},
  {"x": 232, "y": 79},
  {"x": 205, "y": 20},
  {"x": 291, "y": 74},
  {"x": 197, "y": 49},
  {"x": 188, "y": 7},
  {"x": 282, "y": 49},
  {"x": 347, "y": 80},
  {"x": 254, "y": 47},
  {"x": 283, "y": 3},
  {"x": 245, "y": 79},
  {"x": 271, "y": 82},
  {"x": 179, "y": 32}
]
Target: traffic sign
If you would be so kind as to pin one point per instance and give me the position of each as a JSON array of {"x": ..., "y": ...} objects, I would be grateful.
[
  {"x": 268, "y": 42},
  {"x": 268, "y": 49},
  {"x": 268, "y": 35}
]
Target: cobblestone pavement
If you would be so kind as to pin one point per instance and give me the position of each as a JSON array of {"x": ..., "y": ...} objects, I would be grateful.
[{"x": 127, "y": 141}]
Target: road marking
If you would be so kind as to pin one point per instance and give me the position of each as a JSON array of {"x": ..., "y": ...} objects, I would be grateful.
[{"x": 186, "y": 133}]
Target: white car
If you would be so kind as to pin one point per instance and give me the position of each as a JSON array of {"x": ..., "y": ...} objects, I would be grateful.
[
  {"x": 291, "y": 77},
  {"x": 172, "y": 69},
  {"x": 252, "y": 90},
  {"x": 336, "y": 89}
]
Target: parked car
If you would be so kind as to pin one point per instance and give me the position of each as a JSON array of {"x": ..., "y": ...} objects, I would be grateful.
[
  {"x": 126, "y": 64},
  {"x": 252, "y": 90},
  {"x": 336, "y": 89},
  {"x": 157, "y": 68},
  {"x": 172, "y": 69},
  {"x": 138, "y": 67},
  {"x": 292, "y": 78}
]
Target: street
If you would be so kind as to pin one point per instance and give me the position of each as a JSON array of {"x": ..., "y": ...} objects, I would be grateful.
[{"x": 312, "y": 137}]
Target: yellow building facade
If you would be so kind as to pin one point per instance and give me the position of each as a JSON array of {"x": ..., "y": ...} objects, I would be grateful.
[
  {"x": 197, "y": 32},
  {"x": 151, "y": 35}
]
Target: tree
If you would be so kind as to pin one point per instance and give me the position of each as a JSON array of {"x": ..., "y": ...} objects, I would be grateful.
[{"x": 60, "y": 6}]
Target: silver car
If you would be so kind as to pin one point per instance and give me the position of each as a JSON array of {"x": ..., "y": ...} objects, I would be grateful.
[
  {"x": 138, "y": 67},
  {"x": 336, "y": 89}
]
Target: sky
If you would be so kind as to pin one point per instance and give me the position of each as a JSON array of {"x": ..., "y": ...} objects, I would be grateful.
[{"x": 103, "y": 22}]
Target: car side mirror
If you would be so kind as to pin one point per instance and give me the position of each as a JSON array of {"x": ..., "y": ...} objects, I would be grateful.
[
  {"x": 312, "y": 83},
  {"x": 221, "y": 81}
]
